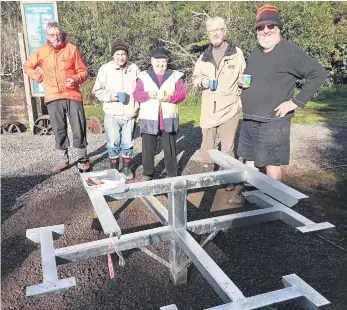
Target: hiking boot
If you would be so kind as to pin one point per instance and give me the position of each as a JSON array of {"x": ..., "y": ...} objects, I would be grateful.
[
  {"x": 59, "y": 167},
  {"x": 83, "y": 166},
  {"x": 114, "y": 161},
  {"x": 126, "y": 168}
]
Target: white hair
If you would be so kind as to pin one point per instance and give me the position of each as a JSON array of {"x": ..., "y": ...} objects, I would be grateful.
[{"x": 215, "y": 20}]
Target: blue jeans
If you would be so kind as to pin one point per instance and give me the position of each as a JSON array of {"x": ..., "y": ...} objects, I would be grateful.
[{"x": 119, "y": 136}]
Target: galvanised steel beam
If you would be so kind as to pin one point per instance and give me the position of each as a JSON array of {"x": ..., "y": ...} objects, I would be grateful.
[
  {"x": 34, "y": 234},
  {"x": 215, "y": 276},
  {"x": 269, "y": 186},
  {"x": 104, "y": 213},
  {"x": 152, "y": 236},
  {"x": 51, "y": 284},
  {"x": 169, "y": 307},
  {"x": 157, "y": 208},
  {"x": 296, "y": 290},
  {"x": 177, "y": 218},
  {"x": 310, "y": 299},
  {"x": 226, "y": 222},
  {"x": 161, "y": 234},
  {"x": 163, "y": 186},
  {"x": 288, "y": 215},
  {"x": 100, "y": 247}
]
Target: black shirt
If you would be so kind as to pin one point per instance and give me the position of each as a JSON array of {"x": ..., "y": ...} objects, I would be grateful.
[{"x": 274, "y": 75}]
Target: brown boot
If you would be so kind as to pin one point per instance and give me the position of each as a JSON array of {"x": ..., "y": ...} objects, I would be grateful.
[{"x": 59, "y": 167}]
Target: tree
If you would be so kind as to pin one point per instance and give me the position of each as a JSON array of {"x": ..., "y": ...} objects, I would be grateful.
[
  {"x": 320, "y": 28},
  {"x": 11, "y": 24}
]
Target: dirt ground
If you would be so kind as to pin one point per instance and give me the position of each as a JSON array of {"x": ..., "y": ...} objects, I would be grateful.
[{"x": 255, "y": 258}]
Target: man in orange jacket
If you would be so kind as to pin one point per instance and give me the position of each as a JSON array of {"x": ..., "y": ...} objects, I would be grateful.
[{"x": 61, "y": 71}]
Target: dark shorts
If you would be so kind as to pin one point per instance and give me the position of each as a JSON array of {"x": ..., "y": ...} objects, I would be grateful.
[{"x": 267, "y": 144}]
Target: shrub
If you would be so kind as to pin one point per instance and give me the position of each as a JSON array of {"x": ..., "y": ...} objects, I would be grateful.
[{"x": 86, "y": 89}]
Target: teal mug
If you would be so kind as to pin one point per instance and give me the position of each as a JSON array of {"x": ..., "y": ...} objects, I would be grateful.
[{"x": 246, "y": 80}]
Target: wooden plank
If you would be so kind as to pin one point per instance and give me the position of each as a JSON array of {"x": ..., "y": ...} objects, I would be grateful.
[{"x": 31, "y": 108}]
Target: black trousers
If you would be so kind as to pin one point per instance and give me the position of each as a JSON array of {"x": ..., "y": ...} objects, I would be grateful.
[
  {"x": 58, "y": 110},
  {"x": 149, "y": 146}
]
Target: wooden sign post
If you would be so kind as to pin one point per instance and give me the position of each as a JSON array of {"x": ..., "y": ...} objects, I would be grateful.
[{"x": 35, "y": 16}]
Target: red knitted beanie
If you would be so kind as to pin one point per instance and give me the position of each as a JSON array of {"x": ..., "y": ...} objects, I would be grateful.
[{"x": 268, "y": 14}]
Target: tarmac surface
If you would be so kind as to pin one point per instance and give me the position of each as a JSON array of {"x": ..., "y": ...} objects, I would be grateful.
[{"x": 255, "y": 258}]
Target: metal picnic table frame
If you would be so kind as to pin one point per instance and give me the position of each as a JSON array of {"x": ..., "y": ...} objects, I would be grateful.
[{"x": 274, "y": 198}]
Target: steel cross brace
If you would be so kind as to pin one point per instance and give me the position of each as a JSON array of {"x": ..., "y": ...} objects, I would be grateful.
[
  {"x": 183, "y": 247},
  {"x": 295, "y": 289}
]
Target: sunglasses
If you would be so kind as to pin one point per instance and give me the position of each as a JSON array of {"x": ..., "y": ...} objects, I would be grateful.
[{"x": 270, "y": 27}]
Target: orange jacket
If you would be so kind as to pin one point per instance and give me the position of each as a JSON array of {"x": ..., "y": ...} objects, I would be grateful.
[{"x": 55, "y": 67}]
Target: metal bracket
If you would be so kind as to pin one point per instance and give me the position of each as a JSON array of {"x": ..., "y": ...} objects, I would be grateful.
[
  {"x": 51, "y": 283},
  {"x": 289, "y": 216}
]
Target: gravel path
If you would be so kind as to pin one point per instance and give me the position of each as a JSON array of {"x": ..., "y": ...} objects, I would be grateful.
[{"x": 255, "y": 258}]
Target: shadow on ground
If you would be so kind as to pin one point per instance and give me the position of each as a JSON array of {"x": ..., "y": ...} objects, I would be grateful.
[{"x": 14, "y": 187}]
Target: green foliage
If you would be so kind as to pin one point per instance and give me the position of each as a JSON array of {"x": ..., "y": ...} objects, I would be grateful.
[
  {"x": 140, "y": 24},
  {"x": 192, "y": 100},
  {"x": 331, "y": 92},
  {"x": 94, "y": 111},
  {"x": 86, "y": 89},
  {"x": 320, "y": 28}
]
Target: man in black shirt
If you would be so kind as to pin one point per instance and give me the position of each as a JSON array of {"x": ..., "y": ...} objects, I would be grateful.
[{"x": 269, "y": 104}]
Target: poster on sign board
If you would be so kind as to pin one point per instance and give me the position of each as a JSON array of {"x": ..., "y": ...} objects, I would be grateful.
[{"x": 35, "y": 16}]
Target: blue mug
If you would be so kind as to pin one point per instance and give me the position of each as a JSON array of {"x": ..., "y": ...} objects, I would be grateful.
[
  {"x": 213, "y": 83},
  {"x": 122, "y": 96}
]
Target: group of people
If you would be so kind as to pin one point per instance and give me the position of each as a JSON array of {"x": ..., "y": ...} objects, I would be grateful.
[{"x": 152, "y": 96}]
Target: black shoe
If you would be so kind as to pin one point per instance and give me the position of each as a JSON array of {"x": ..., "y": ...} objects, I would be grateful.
[
  {"x": 114, "y": 161},
  {"x": 83, "y": 166},
  {"x": 126, "y": 168}
]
